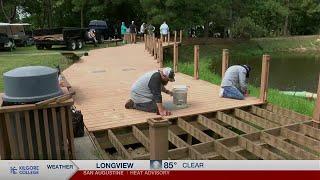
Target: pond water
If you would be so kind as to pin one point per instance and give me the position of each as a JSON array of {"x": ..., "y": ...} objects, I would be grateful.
[{"x": 288, "y": 71}]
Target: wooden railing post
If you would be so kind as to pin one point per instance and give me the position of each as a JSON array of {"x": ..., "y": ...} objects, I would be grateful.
[
  {"x": 155, "y": 48},
  {"x": 149, "y": 44},
  {"x": 145, "y": 41},
  {"x": 156, "y": 52},
  {"x": 175, "y": 36},
  {"x": 196, "y": 62},
  {"x": 264, "y": 78},
  {"x": 161, "y": 55},
  {"x": 159, "y": 144},
  {"x": 153, "y": 45},
  {"x": 169, "y": 37},
  {"x": 158, "y": 49},
  {"x": 161, "y": 38},
  {"x": 158, "y": 44},
  {"x": 175, "y": 56},
  {"x": 316, "y": 113},
  {"x": 225, "y": 61},
  {"x": 180, "y": 36}
]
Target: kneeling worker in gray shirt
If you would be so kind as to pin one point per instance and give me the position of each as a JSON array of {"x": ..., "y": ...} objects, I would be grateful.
[
  {"x": 234, "y": 82},
  {"x": 146, "y": 92}
]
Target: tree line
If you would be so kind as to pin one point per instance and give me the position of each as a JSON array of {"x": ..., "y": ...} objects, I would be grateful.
[{"x": 228, "y": 18}]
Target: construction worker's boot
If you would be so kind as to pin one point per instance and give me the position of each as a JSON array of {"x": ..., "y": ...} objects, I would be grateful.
[{"x": 129, "y": 104}]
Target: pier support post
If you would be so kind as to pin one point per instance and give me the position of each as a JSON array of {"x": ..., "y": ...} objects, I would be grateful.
[
  {"x": 158, "y": 133},
  {"x": 225, "y": 61},
  {"x": 196, "y": 62},
  {"x": 180, "y": 36},
  {"x": 175, "y": 57},
  {"x": 264, "y": 78},
  {"x": 316, "y": 113}
]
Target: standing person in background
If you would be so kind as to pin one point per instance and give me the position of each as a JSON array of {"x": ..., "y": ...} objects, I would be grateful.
[
  {"x": 123, "y": 29},
  {"x": 164, "y": 31},
  {"x": 123, "y": 32},
  {"x": 133, "y": 32},
  {"x": 150, "y": 29},
  {"x": 143, "y": 30}
]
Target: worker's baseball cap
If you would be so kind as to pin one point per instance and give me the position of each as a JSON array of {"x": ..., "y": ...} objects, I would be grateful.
[
  {"x": 248, "y": 69},
  {"x": 169, "y": 73}
]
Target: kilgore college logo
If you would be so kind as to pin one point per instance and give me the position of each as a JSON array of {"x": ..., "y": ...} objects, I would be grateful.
[
  {"x": 13, "y": 170},
  {"x": 26, "y": 170}
]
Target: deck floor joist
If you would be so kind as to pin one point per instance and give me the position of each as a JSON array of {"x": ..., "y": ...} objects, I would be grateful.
[{"x": 223, "y": 135}]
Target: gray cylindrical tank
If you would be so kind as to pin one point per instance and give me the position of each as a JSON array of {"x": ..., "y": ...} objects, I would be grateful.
[{"x": 31, "y": 84}]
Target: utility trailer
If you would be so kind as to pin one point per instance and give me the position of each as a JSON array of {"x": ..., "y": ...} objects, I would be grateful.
[{"x": 72, "y": 38}]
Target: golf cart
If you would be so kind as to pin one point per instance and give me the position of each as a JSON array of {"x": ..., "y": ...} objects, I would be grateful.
[
  {"x": 6, "y": 42},
  {"x": 18, "y": 33}
]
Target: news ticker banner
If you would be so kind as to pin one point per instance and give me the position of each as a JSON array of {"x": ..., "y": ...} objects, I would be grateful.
[{"x": 65, "y": 169}]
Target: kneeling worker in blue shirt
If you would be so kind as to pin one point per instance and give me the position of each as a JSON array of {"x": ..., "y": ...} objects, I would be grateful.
[{"x": 234, "y": 82}]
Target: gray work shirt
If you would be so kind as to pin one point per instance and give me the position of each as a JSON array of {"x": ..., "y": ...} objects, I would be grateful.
[
  {"x": 235, "y": 76},
  {"x": 147, "y": 88}
]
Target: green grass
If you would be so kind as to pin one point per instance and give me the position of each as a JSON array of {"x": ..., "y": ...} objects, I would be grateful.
[
  {"x": 288, "y": 43},
  {"x": 253, "y": 47},
  {"x": 10, "y": 62}
]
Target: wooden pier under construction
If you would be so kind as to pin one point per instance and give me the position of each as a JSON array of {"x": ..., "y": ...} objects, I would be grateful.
[{"x": 210, "y": 128}]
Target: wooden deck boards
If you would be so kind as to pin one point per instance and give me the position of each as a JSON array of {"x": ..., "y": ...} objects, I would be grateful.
[{"x": 103, "y": 79}]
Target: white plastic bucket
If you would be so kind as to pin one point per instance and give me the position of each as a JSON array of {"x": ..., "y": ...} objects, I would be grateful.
[{"x": 180, "y": 93}]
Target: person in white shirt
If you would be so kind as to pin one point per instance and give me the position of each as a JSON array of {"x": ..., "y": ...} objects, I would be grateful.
[
  {"x": 164, "y": 31},
  {"x": 143, "y": 28}
]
